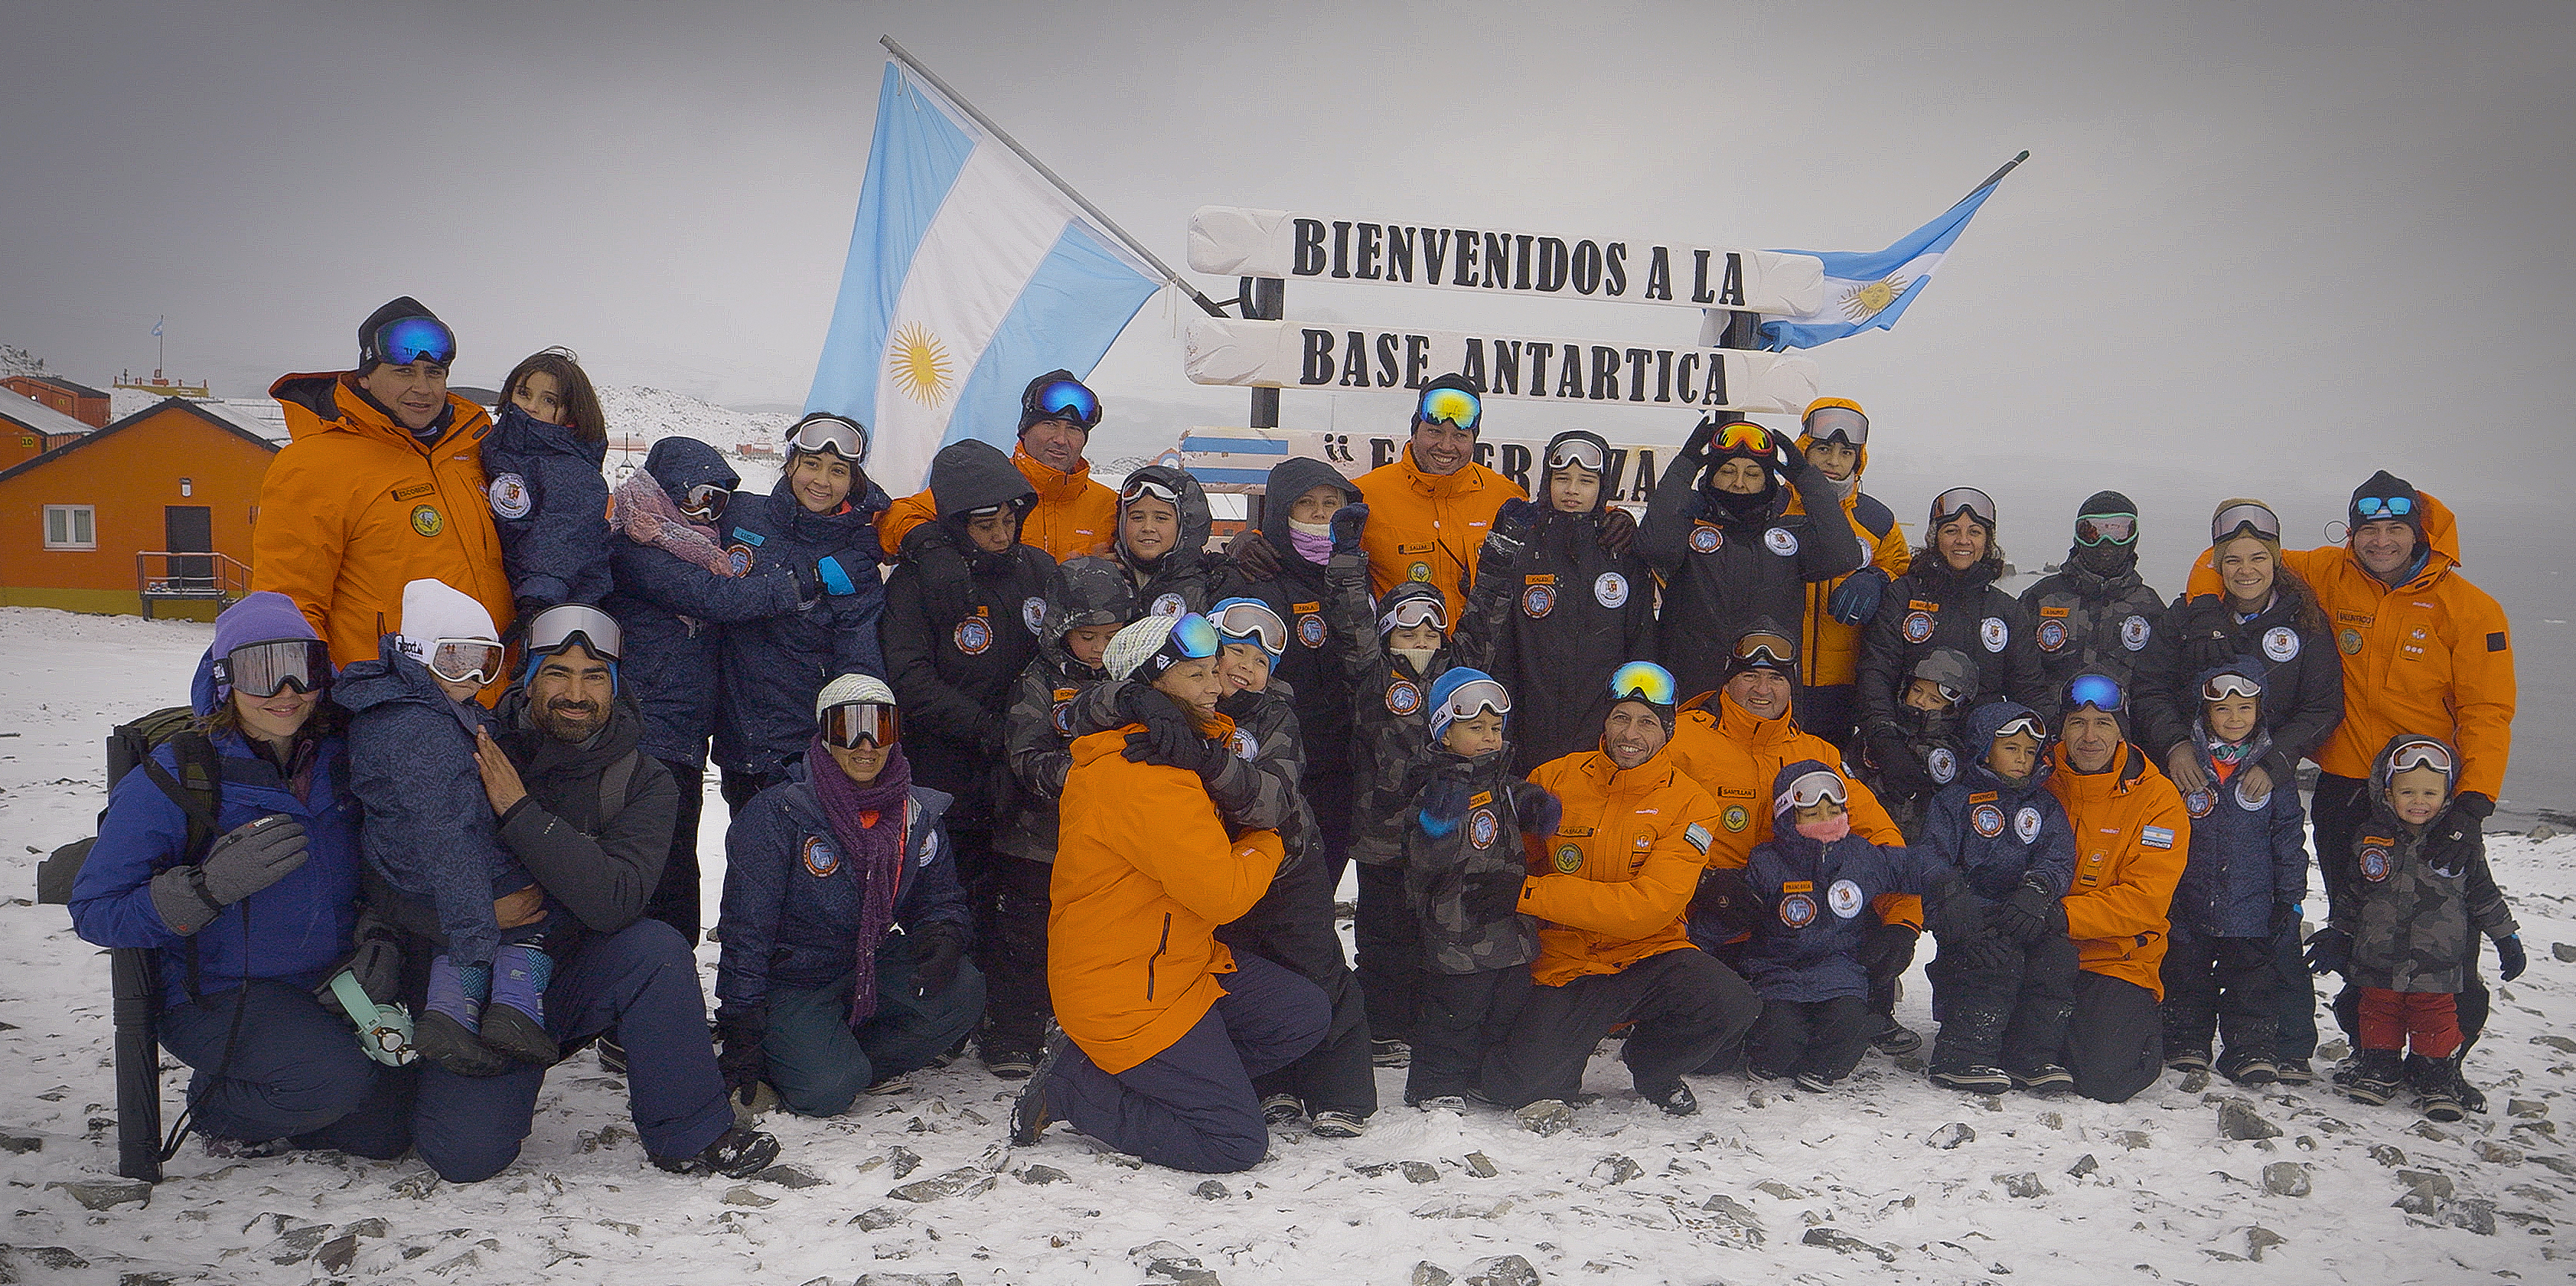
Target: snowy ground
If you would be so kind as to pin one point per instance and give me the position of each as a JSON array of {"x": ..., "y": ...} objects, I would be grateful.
[{"x": 1626, "y": 1196}]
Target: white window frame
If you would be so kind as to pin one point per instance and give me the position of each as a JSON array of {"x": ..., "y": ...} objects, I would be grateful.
[{"x": 75, "y": 518}]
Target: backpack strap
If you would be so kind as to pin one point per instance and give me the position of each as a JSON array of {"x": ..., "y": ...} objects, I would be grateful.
[
  {"x": 198, "y": 791},
  {"x": 614, "y": 784}
]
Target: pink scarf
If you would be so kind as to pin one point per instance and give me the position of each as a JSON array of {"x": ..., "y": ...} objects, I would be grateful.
[
  {"x": 648, "y": 516},
  {"x": 868, "y": 826}
]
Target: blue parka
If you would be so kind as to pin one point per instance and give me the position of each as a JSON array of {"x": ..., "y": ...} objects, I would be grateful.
[
  {"x": 791, "y": 907},
  {"x": 672, "y": 612},
  {"x": 292, "y": 931},
  {"x": 550, "y": 506},
  {"x": 2246, "y": 854},
  {"x": 1995, "y": 835},
  {"x": 770, "y": 669},
  {"x": 1814, "y": 901},
  {"x": 429, "y": 829}
]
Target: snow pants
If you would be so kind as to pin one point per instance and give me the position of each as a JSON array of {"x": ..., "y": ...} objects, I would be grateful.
[
  {"x": 293, "y": 1071},
  {"x": 2013, "y": 1016},
  {"x": 2294, "y": 1000},
  {"x": 1463, "y": 1019},
  {"x": 2221, "y": 986},
  {"x": 1191, "y": 1107},
  {"x": 1389, "y": 946},
  {"x": 1013, "y": 925},
  {"x": 676, "y": 900},
  {"x": 1688, "y": 1008},
  {"x": 2115, "y": 1040},
  {"x": 2426, "y": 1021},
  {"x": 819, "y": 1064},
  {"x": 1292, "y": 926},
  {"x": 1820, "y": 1038},
  {"x": 639, "y": 985}
]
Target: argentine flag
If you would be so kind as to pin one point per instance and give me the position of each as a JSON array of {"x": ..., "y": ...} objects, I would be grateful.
[
  {"x": 969, "y": 275},
  {"x": 1869, "y": 291}
]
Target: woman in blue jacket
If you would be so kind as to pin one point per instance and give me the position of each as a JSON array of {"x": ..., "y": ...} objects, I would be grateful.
[
  {"x": 844, "y": 925},
  {"x": 247, "y": 925}
]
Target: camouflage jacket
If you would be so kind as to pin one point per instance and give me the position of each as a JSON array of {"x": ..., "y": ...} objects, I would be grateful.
[
  {"x": 1462, "y": 875},
  {"x": 2413, "y": 927},
  {"x": 1038, "y": 739},
  {"x": 1391, "y": 730}
]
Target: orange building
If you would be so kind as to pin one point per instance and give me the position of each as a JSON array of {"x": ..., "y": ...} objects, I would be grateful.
[
  {"x": 29, "y": 429},
  {"x": 79, "y": 401},
  {"x": 151, "y": 515}
]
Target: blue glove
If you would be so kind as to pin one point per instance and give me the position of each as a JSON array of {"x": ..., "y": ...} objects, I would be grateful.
[
  {"x": 836, "y": 577},
  {"x": 2329, "y": 951},
  {"x": 1348, "y": 522},
  {"x": 2510, "y": 960},
  {"x": 1540, "y": 812},
  {"x": 1856, "y": 599},
  {"x": 1443, "y": 802}
]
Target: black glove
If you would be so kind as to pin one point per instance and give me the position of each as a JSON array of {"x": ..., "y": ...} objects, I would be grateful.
[
  {"x": 377, "y": 962},
  {"x": 2285, "y": 918},
  {"x": 740, "y": 1056},
  {"x": 1856, "y": 599},
  {"x": 1252, "y": 552},
  {"x": 242, "y": 861},
  {"x": 1953, "y": 914},
  {"x": 1170, "y": 737},
  {"x": 2029, "y": 916},
  {"x": 1618, "y": 530},
  {"x": 1508, "y": 537},
  {"x": 936, "y": 947},
  {"x": 1492, "y": 895},
  {"x": 2510, "y": 960},
  {"x": 1442, "y": 803},
  {"x": 1983, "y": 953},
  {"x": 1899, "y": 771},
  {"x": 1695, "y": 447},
  {"x": 1790, "y": 461},
  {"x": 2329, "y": 951},
  {"x": 1884, "y": 944},
  {"x": 1724, "y": 900},
  {"x": 1540, "y": 812},
  {"x": 1348, "y": 522},
  {"x": 2454, "y": 837}
]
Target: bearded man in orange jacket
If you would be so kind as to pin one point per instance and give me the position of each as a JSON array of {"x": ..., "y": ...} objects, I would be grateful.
[
  {"x": 1163, "y": 1028},
  {"x": 383, "y": 485}
]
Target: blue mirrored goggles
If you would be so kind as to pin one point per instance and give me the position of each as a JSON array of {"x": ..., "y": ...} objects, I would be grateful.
[
  {"x": 1065, "y": 400},
  {"x": 406, "y": 340},
  {"x": 2100, "y": 691},
  {"x": 1643, "y": 681},
  {"x": 2374, "y": 508},
  {"x": 1194, "y": 637},
  {"x": 1454, "y": 406}
]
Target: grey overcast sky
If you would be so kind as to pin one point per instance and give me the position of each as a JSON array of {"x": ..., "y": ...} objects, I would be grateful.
[{"x": 2290, "y": 234}]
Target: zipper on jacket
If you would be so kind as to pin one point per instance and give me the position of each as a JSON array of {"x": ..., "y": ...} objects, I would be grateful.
[{"x": 1159, "y": 948}]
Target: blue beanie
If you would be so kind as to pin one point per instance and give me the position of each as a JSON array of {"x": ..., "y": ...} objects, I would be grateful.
[
  {"x": 263, "y": 617},
  {"x": 1446, "y": 686}
]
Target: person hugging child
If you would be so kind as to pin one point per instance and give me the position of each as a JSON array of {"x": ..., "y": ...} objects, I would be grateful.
[
  {"x": 2402, "y": 935},
  {"x": 1463, "y": 867},
  {"x": 2004, "y": 983},
  {"x": 1812, "y": 881},
  {"x": 2240, "y": 889}
]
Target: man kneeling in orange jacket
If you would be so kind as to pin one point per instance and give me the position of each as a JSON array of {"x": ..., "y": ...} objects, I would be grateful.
[{"x": 1156, "y": 1056}]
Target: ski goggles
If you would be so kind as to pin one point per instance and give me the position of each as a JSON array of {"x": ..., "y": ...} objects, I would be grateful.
[
  {"x": 2374, "y": 508},
  {"x": 1139, "y": 488},
  {"x": 406, "y": 340},
  {"x": 2420, "y": 754},
  {"x": 2100, "y": 691},
  {"x": 1813, "y": 788},
  {"x": 1477, "y": 696},
  {"x": 1251, "y": 619},
  {"x": 2027, "y": 725},
  {"x": 851, "y": 722},
  {"x": 1453, "y": 406},
  {"x": 1062, "y": 400},
  {"x": 1642, "y": 681},
  {"x": 465, "y": 660},
  {"x": 1963, "y": 500},
  {"x": 2238, "y": 520},
  {"x": 1412, "y": 612},
  {"x": 1192, "y": 638},
  {"x": 847, "y": 439},
  {"x": 1765, "y": 650},
  {"x": 1575, "y": 451},
  {"x": 2101, "y": 529},
  {"x": 1948, "y": 693},
  {"x": 2223, "y": 686},
  {"x": 1828, "y": 423},
  {"x": 1744, "y": 435},
  {"x": 704, "y": 500},
  {"x": 557, "y": 628},
  {"x": 266, "y": 669}
]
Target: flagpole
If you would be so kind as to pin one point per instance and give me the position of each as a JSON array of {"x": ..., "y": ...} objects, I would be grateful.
[
  {"x": 1213, "y": 309},
  {"x": 1996, "y": 177}
]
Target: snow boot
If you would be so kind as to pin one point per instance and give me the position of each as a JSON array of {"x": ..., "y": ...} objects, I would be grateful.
[
  {"x": 1280, "y": 1109},
  {"x": 1029, "y": 1113},
  {"x": 2047, "y": 1078},
  {"x": 447, "y": 1031},
  {"x": 515, "y": 1020},
  {"x": 2377, "y": 1076},
  {"x": 1390, "y": 1053},
  {"x": 2188, "y": 1059},
  {"x": 2434, "y": 1081},
  {"x": 2249, "y": 1069},
  {"x": 1329, "y": 1123},
  {"x": 1896, "y": 1038},
  {"x": 738, "y": 1153},
  {"x": 1974, "y": 1078},
  {"x": 2293, "y": 1071},
  {"x": 2472, "y": 1099},
  {"x": 1676, "y": 1101}
]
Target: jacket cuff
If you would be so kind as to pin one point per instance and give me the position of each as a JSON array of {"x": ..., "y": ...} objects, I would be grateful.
[
  {"x": 181, "y": 901},
  {"x": 504, "y": 821}
]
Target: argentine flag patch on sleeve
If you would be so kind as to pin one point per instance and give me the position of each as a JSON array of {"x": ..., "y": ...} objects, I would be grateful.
[
  {"x": 1696, "y": 836},
  {"x": 2156, "y": 836}
]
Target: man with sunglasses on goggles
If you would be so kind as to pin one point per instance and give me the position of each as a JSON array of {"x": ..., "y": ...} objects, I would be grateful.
[
  {"x": 2095, "y": 612},
  {"x": 1073, "y": 514},
  {"x": 2425, "y": 652},
  {"x": 383, "y": 485},
  {"x": 1430, "y": 508}
]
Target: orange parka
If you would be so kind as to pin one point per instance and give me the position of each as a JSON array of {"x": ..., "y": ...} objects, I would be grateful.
[
  {"x": 355, "y": 508},
  {"x": 1143, "y": 875},
  {"x": 1828, "y": 650},
  {"x": 1428, "y": 526},
  {"x": 1621, "y": 867},
  {"x": 2131, "y": 839},
  {"x": 2432, "y": 657},
  {"x": 1735, "y": 756},
  {"x": 1074, "y": 515}
]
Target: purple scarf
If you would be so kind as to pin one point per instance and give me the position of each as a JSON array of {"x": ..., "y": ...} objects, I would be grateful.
[{"x": 868, "y": 826}]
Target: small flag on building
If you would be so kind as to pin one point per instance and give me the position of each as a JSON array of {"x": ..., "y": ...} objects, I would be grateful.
[
  {"x": 969, "y": 275},
  {"x": 1869, "y": 290}
]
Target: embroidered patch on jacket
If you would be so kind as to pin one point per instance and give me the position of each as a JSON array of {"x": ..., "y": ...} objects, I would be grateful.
[
  {"x": 820, "y": 860},
  {"x": 2156, "y": 836},
  {"x": 1797, "y": 910},
  {"x": 1844, "y": 898},
  {"x": 2281, "y": 643},
  {"x": 1402, "y": 697},
  {"x": 973, "y": 636},
  {"x": 1988, "y": 819},
  {"x": 1994, "y": 633},
  {"x": 426, "y": 521},
  {"x": 2134, "y": 632},
  {"x": 1734, "y": 818},
  {"x": 1918, "y": 626},
  {"x": 1697, "y": 837},
  {"x": 1610, "y": 589},
  {"x": 1538, "y": 600},
  {"x": 1781, "y": 541},
  {"x": 510, "y": 496},
  {"x": 1705, "y": 539},
  {"x": 1482, "y": 827}
]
